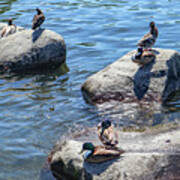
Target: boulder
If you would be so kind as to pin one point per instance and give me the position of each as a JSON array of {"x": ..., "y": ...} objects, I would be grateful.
[
  {"x": 149, "y": 155},
  {"x": 126, "y": 81},
  {"x": 29, "y": 50}
]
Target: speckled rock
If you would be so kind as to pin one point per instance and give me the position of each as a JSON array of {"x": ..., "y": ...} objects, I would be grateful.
[
  {"x": 149, "y": 155},
  {"x": 125, "y": 81},
  {"x": 30, "y": 50}
]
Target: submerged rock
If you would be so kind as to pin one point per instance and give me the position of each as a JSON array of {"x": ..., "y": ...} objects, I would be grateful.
[
  {"x": 30, "y": 50},
  {"x": 149, "y": 155},
  {"x": 125, "y": 81}
]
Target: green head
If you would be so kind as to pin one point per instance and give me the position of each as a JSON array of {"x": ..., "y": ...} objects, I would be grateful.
[{"x": 87, "y": 146}]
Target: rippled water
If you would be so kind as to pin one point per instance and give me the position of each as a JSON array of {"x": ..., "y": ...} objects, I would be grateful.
[{"x": 36, "y": 111}]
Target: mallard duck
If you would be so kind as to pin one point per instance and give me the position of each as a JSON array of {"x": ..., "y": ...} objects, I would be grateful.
[
  {"x": 9, "y": 29},
  {"x": 149, "y": 39},
  {"x": 143, "y": 57},
  {"x": 106, "y": 133},
  {"x": 98, "y": 154},
  {"x": 38, "y": 19}
]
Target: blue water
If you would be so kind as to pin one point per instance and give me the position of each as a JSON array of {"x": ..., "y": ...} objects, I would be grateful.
[{"x": 37, "y": 110}]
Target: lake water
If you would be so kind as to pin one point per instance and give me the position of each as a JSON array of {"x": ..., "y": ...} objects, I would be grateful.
[{"x": 36, "y": 111}]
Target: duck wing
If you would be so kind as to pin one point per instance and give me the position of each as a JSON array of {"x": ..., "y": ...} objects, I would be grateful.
[
  {"x": 102, "y": 151},
  {"x": 38, "y": 20},
  {"x": 147, "y": 41}
]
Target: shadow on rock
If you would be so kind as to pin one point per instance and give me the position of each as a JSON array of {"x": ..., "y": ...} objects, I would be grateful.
[
  {"x": 142, "y": 80},
  {"x": 98, "y": 168},
  {"x": 143, "y": 77},
  {"x": 172, "y": 83},
  {"x": 36, "y": 34},
  {"x": 42, "y": 71},
  {"x": 170, "y": 171}
]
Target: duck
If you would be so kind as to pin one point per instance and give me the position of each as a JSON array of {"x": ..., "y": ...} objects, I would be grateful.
[
  {"x": 99, "y": 154},
  {"x": 143, "y": 57},
  {"x": 106, "y": 134},
  {"x": 149, "y": 39},
  {"x": 38, "y": 19},
  {"x": 10, "y": 28}
]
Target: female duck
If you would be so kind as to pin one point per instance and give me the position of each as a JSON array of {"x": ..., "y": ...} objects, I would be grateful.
[
  {"x": 38, "y": 19},
  {"x": 9, "y": 29},
  {"x": 149, "y": 39},
  {"x": 106, "y": 134},
  {"x": 99, "y": 154},
  {"x": 143, "y": 57}
]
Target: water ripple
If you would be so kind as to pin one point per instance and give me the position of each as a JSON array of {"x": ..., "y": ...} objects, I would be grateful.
[{"x": 36, "y": 111}]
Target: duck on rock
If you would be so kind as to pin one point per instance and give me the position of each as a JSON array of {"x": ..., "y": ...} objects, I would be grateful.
[
  {"x": 99, "y": 154},
  {"x": 106, "y": 134},
  {"x": 38, "y": 19},
  {"x": 143, "y": 57},
  {"x": 149, "y": 39},
  {"x": 9, "y": 29}
]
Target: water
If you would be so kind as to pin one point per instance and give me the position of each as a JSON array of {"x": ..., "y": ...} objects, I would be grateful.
[{"x": 36, "y": 111}]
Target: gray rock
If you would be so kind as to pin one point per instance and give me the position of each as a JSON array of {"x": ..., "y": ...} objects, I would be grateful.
[
  {"x": 125, "y": 81},
  {"x": 149, "y": 155},
  {"x": 30, "y": 50}
]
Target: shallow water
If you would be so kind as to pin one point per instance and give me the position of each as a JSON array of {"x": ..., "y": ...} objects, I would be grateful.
[{"x": 36, "y": 111}]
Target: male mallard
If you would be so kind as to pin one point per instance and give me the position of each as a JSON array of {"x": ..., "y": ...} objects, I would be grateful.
[
  {"x": 98, "y": 154},
  {"x": 9, "y": 29},
  {"x": 106, "y": 134},
  {"x": 149, "y": 39},
  {"x": 38, "y": 19},
  {"x": 143, "y": 57}
]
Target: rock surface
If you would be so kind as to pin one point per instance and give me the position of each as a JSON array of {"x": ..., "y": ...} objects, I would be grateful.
[
  {"x": 29, "y": 50},
  {"x": 149, "y": 155},
  {"x": 125, "y": 81}
]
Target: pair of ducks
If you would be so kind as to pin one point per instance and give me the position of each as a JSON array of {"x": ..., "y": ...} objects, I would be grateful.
[
  {"x": 38, "y": 19},
  {"x": 98, "y": 154},
  {"x": 144, "y": 53}
]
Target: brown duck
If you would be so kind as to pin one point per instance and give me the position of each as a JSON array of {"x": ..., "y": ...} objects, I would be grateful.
[
  {"x": 38, "y": 19},
  {"x": 149, "y": 39},
  {"x": 143, "y": 57},
  {"x": 106, "y": 134},
  {"x": 99, "y": 154},
  {"x": 10, "y": 28}
]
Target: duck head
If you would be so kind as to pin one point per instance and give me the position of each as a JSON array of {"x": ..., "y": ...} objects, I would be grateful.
[
  {"x": 10, "y": 22},
  {"x": 38, "y": 11},
  {"x": 139, "y": 52},
  {"x": 153, "y": 29},
  {"x": 87, "y": 146},
  {"x": 152, "y": 25},
  {"x": 105, "y": 124}
]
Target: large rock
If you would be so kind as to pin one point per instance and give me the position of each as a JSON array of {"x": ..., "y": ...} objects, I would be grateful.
[
  {"x": 29, "y": 50},
  {"x": 125, "y": 81},
  {"x": 149, "y": 155}
]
